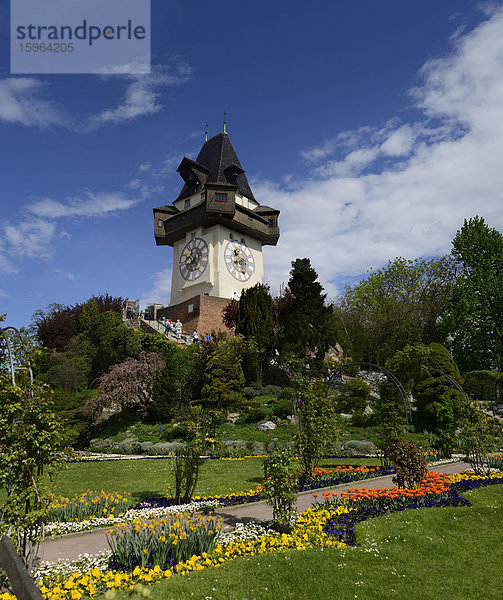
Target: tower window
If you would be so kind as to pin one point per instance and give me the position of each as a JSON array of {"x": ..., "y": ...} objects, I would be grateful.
[
  {"x": 186, "y": 203},
  {"x": 271, "y": 222},
  {"x": 220, "y": 196},
  {"x": 203, "y": 195},
  {"x": 159, "y": 223}
]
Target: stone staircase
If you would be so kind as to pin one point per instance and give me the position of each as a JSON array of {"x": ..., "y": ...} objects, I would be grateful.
[{"x": 149, "y": 326}]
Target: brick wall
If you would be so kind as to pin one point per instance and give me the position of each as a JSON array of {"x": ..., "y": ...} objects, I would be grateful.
[{"x": 201, "y": 313}]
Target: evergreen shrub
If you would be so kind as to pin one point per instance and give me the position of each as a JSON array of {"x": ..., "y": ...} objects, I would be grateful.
[
  {"x": 253, "y": 416},
  {"x": 281, "y": 408},
  {"x": 271, "y": 390},
  {"x": 250, "y": 392}
]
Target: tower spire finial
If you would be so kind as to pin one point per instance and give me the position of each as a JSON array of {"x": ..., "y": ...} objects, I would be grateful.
[
  {"x": 225, "y": 122},
  {"x": 206, "y": 133}
]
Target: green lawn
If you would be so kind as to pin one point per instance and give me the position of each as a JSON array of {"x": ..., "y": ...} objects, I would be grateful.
[
  {"x": 146, "y": 477},
  {"x": 427, "y": 554}
]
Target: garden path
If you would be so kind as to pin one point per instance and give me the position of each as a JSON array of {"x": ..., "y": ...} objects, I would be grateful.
[{"x": 69, "y": 547}]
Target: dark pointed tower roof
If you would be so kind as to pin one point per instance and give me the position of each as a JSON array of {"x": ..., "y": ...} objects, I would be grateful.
[{"x": 218, "y": 159}]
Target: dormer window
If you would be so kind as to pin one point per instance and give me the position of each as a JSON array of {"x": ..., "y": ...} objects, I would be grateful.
[
  {"x": 159, "y": 223},
  {"x": 232, "y": 173},
  {"x": 193, "y": 181},
  {"x": 220, "y": 196},
  {"x": 270, "y": 221},
  {"x": 186, "y": 203},
  {"x": 203, "y": 195}
]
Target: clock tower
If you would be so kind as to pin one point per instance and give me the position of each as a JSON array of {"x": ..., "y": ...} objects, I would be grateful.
[{"x": 217, "y": 229}]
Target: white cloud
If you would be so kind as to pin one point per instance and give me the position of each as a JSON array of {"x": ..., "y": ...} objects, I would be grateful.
[
  {"x": 163, "y": 169},
  {"x": 317, "y": 153},
  {"x": 347, "y": 141},
  {"x": 91, "y": 205},
  {"x": 161, "y": 289},
  {"x": 22, "y": 102},
  {"x": 399, "y": 142},
  {"x": 64, "y": 274},
  {"x": 7, "y": 267},
  {"x": 352, "y": 164},
  {"x": 403, "y": 189},
  {"x": 137, "y": 66},
  {"x": 30, "y": 239},
  {"x": 142, "y": 95},
  {"x": 34, "y": 238}
]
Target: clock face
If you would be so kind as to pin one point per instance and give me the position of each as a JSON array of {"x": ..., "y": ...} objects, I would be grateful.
[
  {"x": 239, "y": 260},
  {"x": 193, "y": 259}
]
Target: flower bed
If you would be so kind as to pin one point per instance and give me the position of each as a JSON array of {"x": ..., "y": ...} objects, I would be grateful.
[
  {"x": 331, "y": 524},
  {"x": 323, "y": 478},
  {"x": 162, "y": 542},
  {"x": 247, "y": 541},
  {"x": 98, "y": 457},
  {"x": 88, "y": 506},
  {"x": 145, "y": 511},
  {"x": 437, "y": 490},
  {"x": 434, "y": 491},
  {"x": 496, "y": 460},
  {"x": 343, "y": 474},
  {"x": 94, "y": 510}
]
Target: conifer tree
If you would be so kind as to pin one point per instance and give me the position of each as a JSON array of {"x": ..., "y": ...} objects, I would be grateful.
[
  {"x": 306, "y": 322},
  {"x": 254, "y": 320}
]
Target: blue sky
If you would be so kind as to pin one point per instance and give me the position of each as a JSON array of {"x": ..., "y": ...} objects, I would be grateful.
[{"x": 375, "y": 127}]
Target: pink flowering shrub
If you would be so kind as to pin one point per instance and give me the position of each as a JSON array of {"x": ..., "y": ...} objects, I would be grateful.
[{"x": 128, "y": 383}]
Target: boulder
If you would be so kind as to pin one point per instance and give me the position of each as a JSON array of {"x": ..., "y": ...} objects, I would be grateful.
[
  {"x": 232, "y": 417},
  {"x": 267, "y": 426}
]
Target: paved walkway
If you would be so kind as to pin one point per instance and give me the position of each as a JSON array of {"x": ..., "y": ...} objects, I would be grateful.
[{"x": 69, "y": 547}]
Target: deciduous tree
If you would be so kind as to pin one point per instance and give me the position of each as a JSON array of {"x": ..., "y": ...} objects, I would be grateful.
[
  {"x": 128, "y": 383},
  {"x": 30, "y": 440},
  {"x": 319, "y": 426},
  {"x": 476, "y": 308},
  {"x": 394, "y": 306}
]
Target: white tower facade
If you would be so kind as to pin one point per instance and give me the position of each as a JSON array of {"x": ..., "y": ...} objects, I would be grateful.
[{"x": 216, "y": 227}]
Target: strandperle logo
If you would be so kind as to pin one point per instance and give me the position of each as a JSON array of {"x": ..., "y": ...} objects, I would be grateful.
[
  {"x": 84, "y": 31},
  {"x": 71, "y": 36}
]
